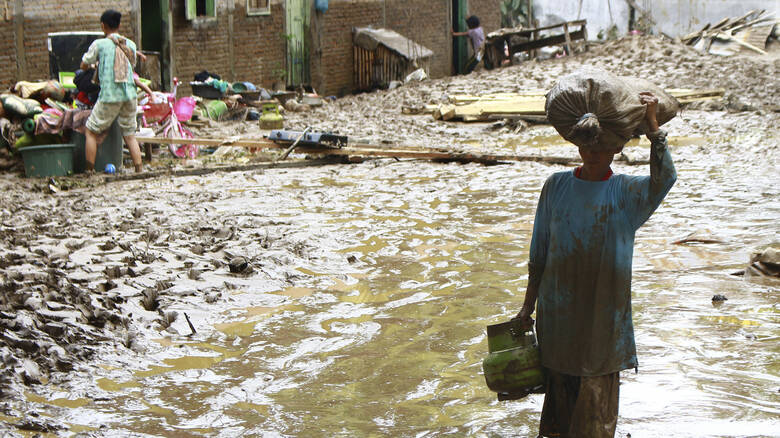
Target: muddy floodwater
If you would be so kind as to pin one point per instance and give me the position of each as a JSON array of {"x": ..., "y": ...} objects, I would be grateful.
[
  {"x": 361, "y": 292},
  {"x": 369, "y": 287}
]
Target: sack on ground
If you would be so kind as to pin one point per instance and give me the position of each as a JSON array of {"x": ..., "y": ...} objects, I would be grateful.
[
  {"x": 595, "y": 109},
  {"x": 20, "y": 107}
]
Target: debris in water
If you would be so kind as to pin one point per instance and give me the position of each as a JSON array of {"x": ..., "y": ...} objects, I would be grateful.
[
  {"x": 718, "y": 298},
  {"x": 238, "y": 264}
]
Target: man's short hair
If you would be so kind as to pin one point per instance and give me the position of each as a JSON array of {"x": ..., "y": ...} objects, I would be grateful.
[
  {"x": 472, "y": 22},
  {"x": 111, "y": 18}
]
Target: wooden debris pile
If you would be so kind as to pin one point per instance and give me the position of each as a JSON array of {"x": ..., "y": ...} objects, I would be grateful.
[
  {"x": 528, "y": 106},
  {"x": 750, "y": 33}
]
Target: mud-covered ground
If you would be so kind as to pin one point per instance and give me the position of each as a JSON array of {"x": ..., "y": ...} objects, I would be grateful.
[{"x": 101, "y": 270}]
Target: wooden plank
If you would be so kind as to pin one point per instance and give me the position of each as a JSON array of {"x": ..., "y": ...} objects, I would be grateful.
[
  {"x": 230, "y": 168},
  {"x": 547, "y": 41},
  {"x": 527, "y": 32},
  {"x": 728, "y": 37},
  {"x": 531, "y": 103},
  {"x": 249, "y": 142},
  {"x": 378, "y": 151},
  {"x": 567, "y": 45}
]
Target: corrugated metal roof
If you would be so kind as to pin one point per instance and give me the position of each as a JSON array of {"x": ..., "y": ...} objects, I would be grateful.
[{"x": 369, "y": 38}]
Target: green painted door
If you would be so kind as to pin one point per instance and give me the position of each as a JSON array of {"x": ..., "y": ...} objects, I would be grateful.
[
  {"x": 297, "y": 25},
  {"x": 460, "y": 51}
]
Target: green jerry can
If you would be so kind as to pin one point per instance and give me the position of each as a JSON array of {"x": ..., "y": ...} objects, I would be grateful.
[
  {"x": 513, "y": 367},
  {"x": 271, "y": 119}
]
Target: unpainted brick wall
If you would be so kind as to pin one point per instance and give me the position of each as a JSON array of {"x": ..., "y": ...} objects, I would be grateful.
[
  {"x": 259, "y": 47},
  {"x": 427, "y": 23},
  {"x": 42, "y": 17},
  {"x": 332, "y": 65},
  {"x": 199, "y": 44},
  {"x": 258, "y": 44}
]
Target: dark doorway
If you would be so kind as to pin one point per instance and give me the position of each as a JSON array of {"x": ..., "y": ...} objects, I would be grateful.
[
  {"x": 460, "y": 52},
  {"x": 155, "y": 42}
]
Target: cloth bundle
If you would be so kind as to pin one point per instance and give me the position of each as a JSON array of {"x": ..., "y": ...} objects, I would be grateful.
[
  {"x": 20, "y": 107},
  {"x": 595, "y": 109}
]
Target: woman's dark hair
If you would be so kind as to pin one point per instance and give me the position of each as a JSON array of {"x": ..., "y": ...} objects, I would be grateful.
[
  {"x": 111, "y": 18},
  {"x": 472, "y": 22}
]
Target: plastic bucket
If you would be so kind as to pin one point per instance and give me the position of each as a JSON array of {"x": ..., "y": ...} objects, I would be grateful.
[
  {"x": 48, "y": 160},
  {"x": 215, "y": 109},
  {"x": 238, "y": 87},
  {"x": 108, "y": 152},
  {"x": 184, "y": 107}
]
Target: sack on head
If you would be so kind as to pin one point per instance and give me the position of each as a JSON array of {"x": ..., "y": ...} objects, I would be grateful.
[{"x": 595, "y": 109}]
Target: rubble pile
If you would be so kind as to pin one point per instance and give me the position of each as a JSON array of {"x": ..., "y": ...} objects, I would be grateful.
[{"x": 749, "y": 83}]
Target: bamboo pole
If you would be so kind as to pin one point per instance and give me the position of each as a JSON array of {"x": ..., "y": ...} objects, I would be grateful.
[{"x": 389, "y": 152}]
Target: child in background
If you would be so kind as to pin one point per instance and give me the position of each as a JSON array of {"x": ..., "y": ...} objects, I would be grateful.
[
  {"x": 115, "y": 56},
  {"x": 477, "y": 37}
]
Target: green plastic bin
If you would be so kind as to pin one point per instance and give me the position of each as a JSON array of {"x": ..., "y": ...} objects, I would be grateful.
[{"x": 48, "y": 160}]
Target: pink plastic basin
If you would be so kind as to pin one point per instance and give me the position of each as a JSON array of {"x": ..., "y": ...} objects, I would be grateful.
[{"x": 184, "y": 107}]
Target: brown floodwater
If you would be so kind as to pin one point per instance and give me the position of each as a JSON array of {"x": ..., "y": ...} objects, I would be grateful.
[{"x": 378, "y": 327}]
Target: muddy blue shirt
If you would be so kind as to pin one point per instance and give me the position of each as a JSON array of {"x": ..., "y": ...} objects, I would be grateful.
[{"x": 581, "y": 251}]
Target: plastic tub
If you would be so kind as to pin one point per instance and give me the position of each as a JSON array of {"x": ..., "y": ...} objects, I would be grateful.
[
  {"x": 48, "y": 160},
  {"x": 238, "y": 87},
  {"x": 205, "y": 91}
]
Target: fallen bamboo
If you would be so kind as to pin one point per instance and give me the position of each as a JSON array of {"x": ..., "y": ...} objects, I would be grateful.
[
  {"x": 437, "y": 154},
  {"x": 234, "y": 168}
]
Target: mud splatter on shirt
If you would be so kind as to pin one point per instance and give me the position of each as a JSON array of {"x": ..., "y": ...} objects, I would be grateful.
[{"x": 581, "y": 254}]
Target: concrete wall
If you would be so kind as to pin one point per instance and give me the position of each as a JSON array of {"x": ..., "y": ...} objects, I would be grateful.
[
  {"x": 601, "y": 14},
  {"x": 674, "y": 17},
  {"x": 681, "y": 17}
]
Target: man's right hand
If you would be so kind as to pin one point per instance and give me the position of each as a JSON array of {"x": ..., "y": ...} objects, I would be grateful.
[{"x": 525, "y": 317}]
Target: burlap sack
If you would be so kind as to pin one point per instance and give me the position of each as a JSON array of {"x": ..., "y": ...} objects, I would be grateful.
[{"x": 595, "y": 109}]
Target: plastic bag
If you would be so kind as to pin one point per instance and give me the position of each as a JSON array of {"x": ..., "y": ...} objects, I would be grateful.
[
  {"x": 595, "y": 109},
  {"x": 417, "y": 75},
  {"x": 20, "y": 107}
]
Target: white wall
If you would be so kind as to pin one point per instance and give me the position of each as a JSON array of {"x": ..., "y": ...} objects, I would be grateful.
[
  {"x": 601, "y": 14},
  {"x": 681, "y": 17},
  {"x": 673, "y": 17}
]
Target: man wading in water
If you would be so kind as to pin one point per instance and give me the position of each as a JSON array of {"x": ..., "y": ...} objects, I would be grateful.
[{"x": 580, "y": 271}]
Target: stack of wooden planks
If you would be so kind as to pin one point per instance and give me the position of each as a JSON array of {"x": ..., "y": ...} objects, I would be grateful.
[
  {"x": 526, "y": 105},
  {"x": 749, "y": 32}
]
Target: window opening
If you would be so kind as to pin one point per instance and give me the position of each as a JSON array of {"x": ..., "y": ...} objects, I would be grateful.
[{"x": 258, "y": 7}]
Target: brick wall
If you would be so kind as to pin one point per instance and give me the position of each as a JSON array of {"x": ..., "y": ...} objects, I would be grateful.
[
  {"x": 42, "y": 17},
  {"x": 331, "y": 65},
  {"x": 7, "y": 51},
  {"x": 258, "y": 46},
  {"x": 427, "y": 23},
  {"x": 199, "y": 44}
]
